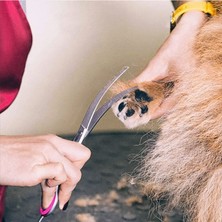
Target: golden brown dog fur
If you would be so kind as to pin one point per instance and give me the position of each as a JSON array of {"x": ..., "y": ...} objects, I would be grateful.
[{"x": 186, "y": 162}]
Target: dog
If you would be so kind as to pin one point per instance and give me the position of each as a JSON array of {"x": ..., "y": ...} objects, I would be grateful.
[{"x": 186, "y": 162}]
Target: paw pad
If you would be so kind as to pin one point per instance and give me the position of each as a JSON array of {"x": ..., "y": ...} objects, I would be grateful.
[
  {"x": 138, "y": 107},
  {"x": 130, "y": 112},
  {"x": 144, "y": 109},
  {"x": 121, "y": 106},
  {"x": 142, "y": 96},
  {"x": 132, "y": 107}
]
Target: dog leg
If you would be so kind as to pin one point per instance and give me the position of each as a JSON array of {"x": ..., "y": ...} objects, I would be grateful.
[{"x": 137, "y": 107}]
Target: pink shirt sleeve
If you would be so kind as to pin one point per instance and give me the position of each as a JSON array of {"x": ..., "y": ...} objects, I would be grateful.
[{"x": 15, "y": 44}]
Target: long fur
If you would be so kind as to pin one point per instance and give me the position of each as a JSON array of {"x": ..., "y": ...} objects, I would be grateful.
[{"x": 186, "y": 161}]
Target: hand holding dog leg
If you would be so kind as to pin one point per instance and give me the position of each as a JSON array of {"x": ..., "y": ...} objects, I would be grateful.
[{"x": 174, "y": 55}]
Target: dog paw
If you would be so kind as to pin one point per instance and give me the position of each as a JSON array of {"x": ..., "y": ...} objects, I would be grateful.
[{"x": 137, "y": 107}]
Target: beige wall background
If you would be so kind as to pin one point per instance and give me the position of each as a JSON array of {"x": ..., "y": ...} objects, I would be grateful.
[{"x": 77, "y": 47}]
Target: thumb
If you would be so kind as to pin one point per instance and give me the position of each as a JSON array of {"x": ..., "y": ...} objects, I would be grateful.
[{"x": 50, "y": 175}]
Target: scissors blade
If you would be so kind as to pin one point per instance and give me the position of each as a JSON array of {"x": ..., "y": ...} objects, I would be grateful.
[
  {"x": 83, "y": 130},
  {"x": 103, "y": 109},
  {"x": 93, "y": 106}
]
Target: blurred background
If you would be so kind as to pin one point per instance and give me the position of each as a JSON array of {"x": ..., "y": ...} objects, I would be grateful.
[{"x": 78, "y": 46}]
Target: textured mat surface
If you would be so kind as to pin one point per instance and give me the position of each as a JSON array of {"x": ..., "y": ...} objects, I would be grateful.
[{"x": 103, "y": 194}]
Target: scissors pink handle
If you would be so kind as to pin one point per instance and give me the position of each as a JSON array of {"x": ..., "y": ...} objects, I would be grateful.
[{"x": 51, "y": 207}]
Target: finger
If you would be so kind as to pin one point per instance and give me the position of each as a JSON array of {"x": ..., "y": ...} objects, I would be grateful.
[
  {"x": 72, "y": 156},
  {"x": 55, "y": 171},
  {"x": 76, "y": 152},
  {"x": 156, "y": 70},
  {"x": 48, "y": 194},
  {"x": 64, "y": 197},
  {"x": 50, "y": 175},
  {"x": 66, "y": 188},
  {"x": 73, "y": 176}
]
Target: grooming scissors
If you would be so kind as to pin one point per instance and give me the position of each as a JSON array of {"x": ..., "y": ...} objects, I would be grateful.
[{"x": 90, "y": 119}]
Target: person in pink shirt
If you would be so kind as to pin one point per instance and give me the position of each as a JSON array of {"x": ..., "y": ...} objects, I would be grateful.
[{"x": 28, "y": 161}]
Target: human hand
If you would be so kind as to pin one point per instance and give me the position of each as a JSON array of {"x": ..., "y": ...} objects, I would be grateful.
[
  {"x": 49, "y": 160},
  {"x": 174, "y": 55}
]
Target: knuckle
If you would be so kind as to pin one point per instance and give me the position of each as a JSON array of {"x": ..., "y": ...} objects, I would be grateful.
[
  {"x": 60, "y": 171},
  {"x": 79, "y": 175},
  {"x": 76, "y": 177},
  {"x": 50, "y": 137},
  {"x": 87, "y": 153},
  {"x": 47, "y": 147},
  {"x": 36, "y": 176},
  {"x": 59, "y": 168}
]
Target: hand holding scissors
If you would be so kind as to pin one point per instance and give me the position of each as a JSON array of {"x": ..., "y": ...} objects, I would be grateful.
[{"x": 90, "y": 119}]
